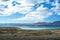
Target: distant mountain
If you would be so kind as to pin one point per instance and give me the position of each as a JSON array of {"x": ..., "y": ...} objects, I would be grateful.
[
  {"x": 45, "y": 23},
  {"x": 55, "y": 23}
]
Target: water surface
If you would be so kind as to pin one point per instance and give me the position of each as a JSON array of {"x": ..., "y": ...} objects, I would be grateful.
[
  {"x": 32, "y": 27},
  {"x": 39, "y": 27}
]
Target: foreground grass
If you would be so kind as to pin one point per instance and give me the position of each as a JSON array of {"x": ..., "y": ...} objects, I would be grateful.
[{"x": 31, "y": 35}]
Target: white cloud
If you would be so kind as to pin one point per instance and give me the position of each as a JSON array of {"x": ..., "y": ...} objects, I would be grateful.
[
  {"x": 38, "y": 15},
  {"x": 26, "y": 7},
  {"x": 57, "y": 8},
  {"x": 8, "y": 10},
  {"x": 23, "y": 8}
]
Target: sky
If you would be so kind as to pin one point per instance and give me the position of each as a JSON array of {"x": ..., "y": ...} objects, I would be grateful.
[{"x": 29, "y": 11}]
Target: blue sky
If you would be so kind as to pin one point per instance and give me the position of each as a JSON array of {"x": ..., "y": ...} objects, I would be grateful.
[{"x": 29, "y": 11}]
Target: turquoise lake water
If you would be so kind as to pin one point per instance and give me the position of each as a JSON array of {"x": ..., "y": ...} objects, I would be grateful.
[
  {"x": 32, "y": 27},
  {"x": 39, "y": 27}
]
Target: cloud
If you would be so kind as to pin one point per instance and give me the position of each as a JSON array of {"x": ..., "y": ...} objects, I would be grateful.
[
  {"x": 26, "y": 7},
  {"x": 38, "y": 15},
  {"x": 7, "y": 11},
  {"x": 23, "y": 7},
  {"x": 57, "y": 8}
]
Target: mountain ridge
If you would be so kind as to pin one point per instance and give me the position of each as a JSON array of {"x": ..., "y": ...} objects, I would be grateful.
[{"x": 55, "y": 23}]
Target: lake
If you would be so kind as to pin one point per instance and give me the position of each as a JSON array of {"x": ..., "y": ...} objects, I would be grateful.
[
  {"x": 39, "y": 27},
  {"x": 32, "y": 27}
]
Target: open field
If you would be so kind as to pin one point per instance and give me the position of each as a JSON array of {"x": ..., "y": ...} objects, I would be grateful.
[{"x": 29, "y": 34}]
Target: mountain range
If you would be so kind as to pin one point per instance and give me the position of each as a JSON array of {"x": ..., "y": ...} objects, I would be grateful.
[{"x": 55, "y": 23}]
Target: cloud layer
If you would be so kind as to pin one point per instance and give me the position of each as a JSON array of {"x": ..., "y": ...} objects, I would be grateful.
[{"x": 34, "y": 10}]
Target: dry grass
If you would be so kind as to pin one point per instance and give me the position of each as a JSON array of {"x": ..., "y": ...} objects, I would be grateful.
[{"x": 31, "y": 35}]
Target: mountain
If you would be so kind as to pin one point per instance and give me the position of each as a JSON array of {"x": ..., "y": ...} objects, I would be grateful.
[{"x": 55, "y": 23}]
